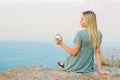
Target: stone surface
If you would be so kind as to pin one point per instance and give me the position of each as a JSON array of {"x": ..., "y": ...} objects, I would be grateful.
[{"x": 37, "y": 72}]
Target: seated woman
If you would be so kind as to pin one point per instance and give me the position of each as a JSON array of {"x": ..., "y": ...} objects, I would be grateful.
[{"x": 86, "y": 44}]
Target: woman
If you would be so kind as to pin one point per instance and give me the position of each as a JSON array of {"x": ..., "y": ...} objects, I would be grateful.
[{"x": 86, "y": 44}]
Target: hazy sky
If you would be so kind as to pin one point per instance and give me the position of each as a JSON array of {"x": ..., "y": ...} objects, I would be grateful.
[{"x": 38, "y": 19}]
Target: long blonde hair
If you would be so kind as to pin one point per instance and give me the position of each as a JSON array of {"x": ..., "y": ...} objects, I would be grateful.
[{"x": 91, "y": 25}]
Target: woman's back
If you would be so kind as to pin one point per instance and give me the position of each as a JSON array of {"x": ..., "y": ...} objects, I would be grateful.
[{"x": 84, "y": 61}]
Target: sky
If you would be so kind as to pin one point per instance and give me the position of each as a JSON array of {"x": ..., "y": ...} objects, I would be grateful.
[{"x": 39, "y": 19}]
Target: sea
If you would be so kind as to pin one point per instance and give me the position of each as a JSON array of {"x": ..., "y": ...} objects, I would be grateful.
[{"x": 45, "y": 53}]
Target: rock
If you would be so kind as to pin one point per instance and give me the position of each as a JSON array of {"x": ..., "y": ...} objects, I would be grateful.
[{"x": 37, "y": 72}]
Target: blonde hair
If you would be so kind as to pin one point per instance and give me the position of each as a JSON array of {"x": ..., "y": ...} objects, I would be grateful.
[{"x": 91, "y": 25}]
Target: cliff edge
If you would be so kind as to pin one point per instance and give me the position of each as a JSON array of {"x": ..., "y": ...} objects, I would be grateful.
[{"x": 37, "y": 72}]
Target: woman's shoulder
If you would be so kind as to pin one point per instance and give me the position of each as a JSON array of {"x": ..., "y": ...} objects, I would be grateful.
[
  {"x": 81, "y": 33},
  {"x": 100, "y": 32}
]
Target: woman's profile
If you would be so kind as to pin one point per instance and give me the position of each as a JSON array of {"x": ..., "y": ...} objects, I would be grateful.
[{"x": 86, "y": 45}]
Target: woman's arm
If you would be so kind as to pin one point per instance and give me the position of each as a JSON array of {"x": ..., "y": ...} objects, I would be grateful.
[
  {"x": 72, "y": 51},
  {"x": 98, "y": 59}
]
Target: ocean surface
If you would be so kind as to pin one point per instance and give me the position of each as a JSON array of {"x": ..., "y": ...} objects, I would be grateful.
[{"x": 26, "y": 53}]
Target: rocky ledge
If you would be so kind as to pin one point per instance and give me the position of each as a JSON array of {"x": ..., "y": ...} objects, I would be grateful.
[{"x": 37, "y": 72}]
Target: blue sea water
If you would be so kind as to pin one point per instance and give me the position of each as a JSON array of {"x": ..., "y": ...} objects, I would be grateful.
[{"x": 26, "y": 53}]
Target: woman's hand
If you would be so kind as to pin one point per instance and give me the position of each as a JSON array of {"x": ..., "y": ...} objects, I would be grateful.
[
  {"x": 104, "y": 72},
  {"x": 58, "y": 41}
]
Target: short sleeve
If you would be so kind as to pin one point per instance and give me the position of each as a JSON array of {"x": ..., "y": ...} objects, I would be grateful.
[
  {"x": 78, "y": 39},
  {"x": 100, "y": 33}
]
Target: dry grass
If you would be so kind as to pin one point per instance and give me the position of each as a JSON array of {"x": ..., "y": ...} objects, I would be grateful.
[{"x": 113, "y": 62}]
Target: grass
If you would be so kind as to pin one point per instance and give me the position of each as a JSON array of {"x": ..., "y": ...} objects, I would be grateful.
[{"x": 111, "y": 61}]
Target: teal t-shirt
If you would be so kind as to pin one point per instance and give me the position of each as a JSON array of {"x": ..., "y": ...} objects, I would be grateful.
[{"x": 84, "y": 61}]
